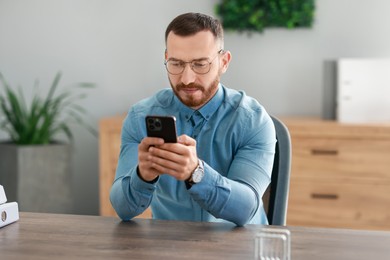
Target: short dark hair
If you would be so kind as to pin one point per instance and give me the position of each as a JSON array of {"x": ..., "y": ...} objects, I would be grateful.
[{"x": 191, "y": 23}]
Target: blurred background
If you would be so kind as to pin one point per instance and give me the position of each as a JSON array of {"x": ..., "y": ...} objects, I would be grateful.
[{"x": 119, "y": 46}]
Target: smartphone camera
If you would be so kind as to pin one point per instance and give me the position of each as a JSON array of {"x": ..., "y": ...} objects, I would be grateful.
[
  {"x": 154, "y": 124},
  {"x": 161, "y": 127}
]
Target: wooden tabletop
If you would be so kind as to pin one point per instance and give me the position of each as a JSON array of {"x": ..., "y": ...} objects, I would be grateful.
[{"x": 55, "y": 236}]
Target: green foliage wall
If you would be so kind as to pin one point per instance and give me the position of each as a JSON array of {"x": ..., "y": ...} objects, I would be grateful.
[{"x": 255, "y": 15}]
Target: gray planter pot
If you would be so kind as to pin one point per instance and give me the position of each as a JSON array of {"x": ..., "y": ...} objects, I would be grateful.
[{"x": 38, "y": 177}]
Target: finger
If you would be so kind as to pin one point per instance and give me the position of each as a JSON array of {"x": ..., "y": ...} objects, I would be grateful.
[
  {"x": 167, "y": 167},
  {"x": 162, "y": 165},
  {"x": 177, "y": 165},
  {"x": 150, "y": 141},
  {"x": 175, "y": 153},
  {"x": 146, "y": 171},
  {"x": 186, "y": 140}
]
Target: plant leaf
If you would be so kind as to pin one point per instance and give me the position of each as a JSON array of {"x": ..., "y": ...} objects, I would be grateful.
[{"x": 44, "y": 118}]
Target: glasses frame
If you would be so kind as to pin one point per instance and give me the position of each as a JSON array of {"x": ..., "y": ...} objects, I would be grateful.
[{"x": 221, "y": 51}]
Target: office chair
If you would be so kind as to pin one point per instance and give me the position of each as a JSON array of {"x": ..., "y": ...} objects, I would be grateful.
[{"x": 275, "y": 198}]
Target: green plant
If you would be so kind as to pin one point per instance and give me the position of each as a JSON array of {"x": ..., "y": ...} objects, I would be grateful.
[
  {"x": 40, "y": 121},
  {"x": 255, "y": 15}
]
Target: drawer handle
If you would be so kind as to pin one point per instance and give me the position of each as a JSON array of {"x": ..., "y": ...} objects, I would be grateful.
[
  {"x": 324, "y": 152},
  {"x": 324, "y": 196}
]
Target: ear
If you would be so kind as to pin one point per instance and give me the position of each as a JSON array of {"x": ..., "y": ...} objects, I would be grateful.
[
  {"x": 166, "y": 54},
  {"x": 226, "y": 58}
]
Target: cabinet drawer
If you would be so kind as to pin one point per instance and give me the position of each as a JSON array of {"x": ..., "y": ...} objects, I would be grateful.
[
  {"x": 346, "y": 205},
  {"x": 341, "y": 159}
]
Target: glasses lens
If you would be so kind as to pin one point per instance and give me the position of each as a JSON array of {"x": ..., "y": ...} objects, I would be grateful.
[
  {"x": 200, "y": 67},
  {"x": 174, "y": 67}
]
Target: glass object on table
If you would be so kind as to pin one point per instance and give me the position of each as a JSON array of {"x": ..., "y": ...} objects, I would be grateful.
[{"x": 273, "y": 244}]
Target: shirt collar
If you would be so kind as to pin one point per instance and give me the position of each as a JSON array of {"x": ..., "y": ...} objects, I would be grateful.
[
  {"x": 206, "y": 111},
  {"x": 210, "y": 107}
]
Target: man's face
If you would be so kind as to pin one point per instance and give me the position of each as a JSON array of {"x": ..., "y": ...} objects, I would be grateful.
[{"x": 193, "y": 89}]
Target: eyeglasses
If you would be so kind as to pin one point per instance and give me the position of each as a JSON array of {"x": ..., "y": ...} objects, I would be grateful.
[{"x": 200, "y": 66}]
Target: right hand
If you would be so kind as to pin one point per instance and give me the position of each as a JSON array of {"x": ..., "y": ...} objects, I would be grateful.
[{"x": 147, "y": 173}]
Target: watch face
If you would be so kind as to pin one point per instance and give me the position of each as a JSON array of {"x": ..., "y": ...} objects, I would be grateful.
[{"x": 197, "y": 176}]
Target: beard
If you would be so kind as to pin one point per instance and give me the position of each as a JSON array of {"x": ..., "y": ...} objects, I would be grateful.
[{"x": 193, "y": 101}]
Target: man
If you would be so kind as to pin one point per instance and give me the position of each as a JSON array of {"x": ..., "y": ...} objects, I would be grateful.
[{"x": 221, "y": 165}]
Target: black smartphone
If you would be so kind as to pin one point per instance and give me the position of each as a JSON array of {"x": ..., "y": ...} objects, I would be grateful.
[{"x": 162, "y": 127}]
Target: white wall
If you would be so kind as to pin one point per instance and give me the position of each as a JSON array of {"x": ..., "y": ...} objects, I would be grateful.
[{"x": 119, "y": 45}]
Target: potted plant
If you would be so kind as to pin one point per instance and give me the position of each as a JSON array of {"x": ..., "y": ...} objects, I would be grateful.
[{"x": 34, "y": 166}]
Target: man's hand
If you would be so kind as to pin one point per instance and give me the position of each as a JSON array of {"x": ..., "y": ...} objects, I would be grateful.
[
  {"x": 176, "y": 159},
  {"x": 145, "y": 170}
]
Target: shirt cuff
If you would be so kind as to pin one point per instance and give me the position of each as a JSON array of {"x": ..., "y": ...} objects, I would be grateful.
[
  {"x": 201, "y": 189},
  {"x": 142, "y": 186}
]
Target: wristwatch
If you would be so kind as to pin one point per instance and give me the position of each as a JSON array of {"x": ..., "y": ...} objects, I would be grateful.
[{"x": 198, "y": 173}]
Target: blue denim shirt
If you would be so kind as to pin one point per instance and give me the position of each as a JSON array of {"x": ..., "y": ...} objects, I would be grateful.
[{"x": 236, "y": 140}]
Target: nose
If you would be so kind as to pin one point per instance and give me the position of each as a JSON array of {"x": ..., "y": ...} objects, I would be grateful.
[{"x": 188, "y": 76}]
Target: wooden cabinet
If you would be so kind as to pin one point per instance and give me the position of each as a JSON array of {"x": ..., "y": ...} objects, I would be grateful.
[
  {"x": 109, "y": 147},
  {"x": 340, "y": 174}
]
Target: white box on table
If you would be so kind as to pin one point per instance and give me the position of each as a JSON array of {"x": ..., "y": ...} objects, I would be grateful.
[
  {"x": 3, "y": 198},
  {"x": 9, "y": 213}
]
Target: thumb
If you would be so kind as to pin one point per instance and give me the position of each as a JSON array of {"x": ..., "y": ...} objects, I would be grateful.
[{"x": 186, "y": 140}]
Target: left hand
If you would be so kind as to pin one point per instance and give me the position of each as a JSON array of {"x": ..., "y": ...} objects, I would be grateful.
[{"x": 176, "y": 159}]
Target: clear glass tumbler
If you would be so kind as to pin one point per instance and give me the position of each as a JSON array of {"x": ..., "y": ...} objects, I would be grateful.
[{"x": 273, "y": 244}]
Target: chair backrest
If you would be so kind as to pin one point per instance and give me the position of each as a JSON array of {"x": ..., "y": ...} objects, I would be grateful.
[{"x": 276, "y": 196}]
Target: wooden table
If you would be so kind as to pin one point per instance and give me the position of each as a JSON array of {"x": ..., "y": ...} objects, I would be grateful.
[{"x": 55, "y": 236}]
